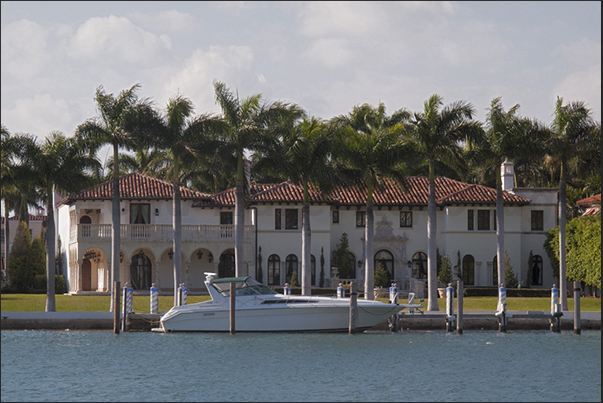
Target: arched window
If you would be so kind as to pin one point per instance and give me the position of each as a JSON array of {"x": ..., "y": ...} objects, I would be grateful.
[
  {"x": 468, "y": 270},
  {"x": 385, "y": 259},
  {"x": 274, "y": 270},
  {"x": 313, "y": 269},
  {"x": 140, "y": 272},
  {"x": 419, "y": 265},
  {"x": 536, "y": 270},
  {"x": 226, "y": 267},
  {"x": 291, "y": 267}
]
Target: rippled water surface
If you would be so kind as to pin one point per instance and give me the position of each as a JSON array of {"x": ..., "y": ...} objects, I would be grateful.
[{"x": 405, "y": 366}]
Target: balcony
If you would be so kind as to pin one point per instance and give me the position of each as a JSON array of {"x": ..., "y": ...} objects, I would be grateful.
[{"x": 149, "y": 232}]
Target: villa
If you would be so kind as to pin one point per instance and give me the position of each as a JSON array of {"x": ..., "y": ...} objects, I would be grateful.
[{"x": 466, "y": 232}]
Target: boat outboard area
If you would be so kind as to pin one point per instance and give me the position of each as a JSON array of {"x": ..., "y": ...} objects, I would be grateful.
[{"x": 259, "y": 308}]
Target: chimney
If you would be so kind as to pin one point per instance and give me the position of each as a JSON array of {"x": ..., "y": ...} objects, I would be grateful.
[{"x": 507, "y": 173}]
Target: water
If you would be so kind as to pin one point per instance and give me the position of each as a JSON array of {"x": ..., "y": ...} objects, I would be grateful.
[{"x": 406, "y": 366}]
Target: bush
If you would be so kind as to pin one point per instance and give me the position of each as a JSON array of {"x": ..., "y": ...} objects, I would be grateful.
[
  {"x": 445, "y": 271},
  {"x": 381, "y": 277}
]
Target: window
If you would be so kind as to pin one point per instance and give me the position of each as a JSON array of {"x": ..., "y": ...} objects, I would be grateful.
[
  {"x": 140, "y": 271},
  {"x": 536, "y": 270},
  {"x": 495, "y": 271},
  {"x": 537, "y": 220},
  {"x": 313, "y": 269},
  {"x": 336, "y": 217},
  {"x": 419, "y": 265},
  {"x": 291, "y": 267},
  {"x": 291, "y": 219},
  {"x": 483, "y": 220},
  {"x": 226, "y": 217},
  {"x": 226, "y": 267},
  {"x": 470, "y": 220},
  {"x": 277, "y": 218},
  {"x": 140, "y": 213},
  {"x": 274, "y": 270},
  {"x": 468, "y": 270},
  {"x": 405, "y": 219},
  {"x": 360, "y": 218}
]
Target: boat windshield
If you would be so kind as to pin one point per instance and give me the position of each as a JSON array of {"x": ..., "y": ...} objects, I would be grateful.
[{"x": 243, "y": 286}]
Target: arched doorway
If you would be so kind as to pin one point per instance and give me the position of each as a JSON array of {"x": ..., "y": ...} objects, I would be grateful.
[
  {"x": 86, "y": 275},
  {"x": 140, "y": 272},
  {"x": 385, "y": 260},
  {"x": 85, "y": 229},
  {"x": 226, "y": 267},
  {"x": 274, "y": 270}
]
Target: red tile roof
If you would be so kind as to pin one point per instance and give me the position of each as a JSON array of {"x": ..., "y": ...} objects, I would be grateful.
[
  {"x": 448, "y": 192},
  {"x": 135, "y": 186},
  {"x": 589, "y": 200}
]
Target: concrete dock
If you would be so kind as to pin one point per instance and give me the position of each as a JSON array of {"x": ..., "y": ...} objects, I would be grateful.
[{"x": 475, "y": 320}]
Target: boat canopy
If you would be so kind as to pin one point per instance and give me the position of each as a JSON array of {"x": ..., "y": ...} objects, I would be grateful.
[{"x": 243, "y": 286}]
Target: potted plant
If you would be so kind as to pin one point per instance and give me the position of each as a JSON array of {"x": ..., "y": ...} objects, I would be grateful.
[{"x": 444, "y": 275}]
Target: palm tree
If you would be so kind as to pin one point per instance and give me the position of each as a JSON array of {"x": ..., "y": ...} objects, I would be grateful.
[
  {"x": 57, "y": 164},
  {"x": 307, "y": 148},
  {"x": 370, "y": 153},
  {"x": 436, "y": 136},
  {"x": 122, "y": 118},
  {"x": 507, "y": 135},
  {"x": 7, "y": 189},
  {"x": 184, "y": 138},
  {"x": 570, "y": 128},
  {"x": 248, "y": 124}
]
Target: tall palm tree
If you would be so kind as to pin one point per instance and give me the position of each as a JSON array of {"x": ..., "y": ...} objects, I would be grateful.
[
  {"x": 57, "y": 164},
  {"x": 507, "y": 135},
  {"x": 436, "y": 135},
  {"x": 184, "y": 138},
  {"x": 121, "y": 119},
  {"x": 249, "y": 123},
  {"x": 7, "y": 189},
  {"x": 307, "y": 149},
  {"x": 570, "y": 128},
  {"x": 370, "y": 153}
]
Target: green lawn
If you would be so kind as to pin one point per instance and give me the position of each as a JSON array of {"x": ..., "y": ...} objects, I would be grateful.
[{"x": 100, "y": 303}]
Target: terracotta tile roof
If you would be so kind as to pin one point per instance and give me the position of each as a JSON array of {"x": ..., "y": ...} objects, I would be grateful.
[
  {"x": 135, "y": 186},
  {"x": 589, "y": 200},
  {"x": 448, "y": 192}
]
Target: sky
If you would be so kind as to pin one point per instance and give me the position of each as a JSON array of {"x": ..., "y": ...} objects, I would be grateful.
[{"x": 327, "y": 57}]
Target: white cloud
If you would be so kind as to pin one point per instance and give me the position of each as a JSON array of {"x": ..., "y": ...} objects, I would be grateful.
[
  {"x": 114, "y": 38},
  {"x": 24, "y": 49},
  {"x": 39, "y": 115},
  {"x": 167, "y": 21},
  {"x": 583, "y": 85}
]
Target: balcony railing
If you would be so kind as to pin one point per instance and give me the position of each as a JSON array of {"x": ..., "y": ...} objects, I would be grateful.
[{"x": 150, "y": 232}]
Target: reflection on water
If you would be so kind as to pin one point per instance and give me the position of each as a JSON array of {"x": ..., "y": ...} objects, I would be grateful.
[{"x": 406, "y": 366}]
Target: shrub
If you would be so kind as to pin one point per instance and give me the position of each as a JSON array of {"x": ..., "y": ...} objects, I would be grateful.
[
  {"x": 381, "y": 276},
  {"x": 445, "y": 271}
]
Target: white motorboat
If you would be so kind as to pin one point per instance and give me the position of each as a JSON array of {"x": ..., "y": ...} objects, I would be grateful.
[{"x": 260, "y": 309}]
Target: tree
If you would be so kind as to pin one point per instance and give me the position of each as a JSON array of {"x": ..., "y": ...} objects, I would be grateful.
[
  {"x": 121, "y": 118},
  {"x": 507, "y": 135},
  {"x": 445, "y": 272},
  {"x": 341, "y": 257},
  {"x": 436, "y": 136},
  {"x": 56, "y": 164},
  {"x": 248, "y": 125},
  {"x": 371, "y": 152},
  {"x": 321, "y": 281},
  {"x": 570, "y": 128},
  {"x": 510, "y": 277},
  {"x": 183, "y": 137},
  {"x": 20, "y": 271},
  {"x": 307, "y": 149}
]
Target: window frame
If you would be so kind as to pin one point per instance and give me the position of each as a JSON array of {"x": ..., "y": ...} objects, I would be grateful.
[
  {"x": 360, "y": 218},
  {"x": 278, "y": 219},
  {"x": 291, "y": 219},
  {"x": 407, "y": 221},
  {"x": 470, "y": 220},
  {"x": 537, "y": 217},
  {"x": 483, "y": 220}
]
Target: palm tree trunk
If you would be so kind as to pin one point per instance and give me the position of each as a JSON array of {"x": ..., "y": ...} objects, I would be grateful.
[
  {"x": 239, "y": 219},
  {"x": 432, "y": 276},
  {"x": 115, "y": 230},
  {"x": 562, "y": 251},
  {"x": 306, "y": 275},
  {"x": 6, "y": 238},
  {"x": 369, "y": 263},
  {"x": 500, "y": 229},
  {"x": 177, "y": 244},
  {"x": 50, "y": 251}
]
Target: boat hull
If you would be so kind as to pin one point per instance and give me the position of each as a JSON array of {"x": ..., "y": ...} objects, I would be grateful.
[{"x": 288, "y": 318}]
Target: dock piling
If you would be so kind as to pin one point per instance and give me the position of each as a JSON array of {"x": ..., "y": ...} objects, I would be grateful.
[
  {"x": 232, "y": 308},
  {"x": 353, "y": 308},
  {"x": 459, "y": 307},
  {"x": 116, "y": 310},
  {"x": 577, "y": 291}
]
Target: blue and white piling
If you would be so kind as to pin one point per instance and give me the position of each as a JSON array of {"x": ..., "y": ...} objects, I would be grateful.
[
  {"x": 393, "y": 294},
  {"x": 128, "y": 291},
  {"x": 501, "y": 312},
  {"x": 556, "y": 313},
  {"x": 287, "y": 289},
  {"x": 154, "y": 298},
  {"x": 340, "y": 291},
  {"x": 182, "y": 294},
  {"x": 450, "y": 317}
]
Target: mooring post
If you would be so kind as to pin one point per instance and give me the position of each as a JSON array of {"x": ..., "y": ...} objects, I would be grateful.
[
  {"x": 127, "y": 301},
  {"x": 577, "y": 292},
  {"x": 459, "y": 307},
  {"x": 450, "y": 308},
  {"x": 556, "y": 313},
  {"x": 232, "y": 308},
  {"x": 501, "y": 313},
  {"x": 353, "y": 307},
  {"x": 154, "y": 298},
  {"x": 116, "y": 310}
]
